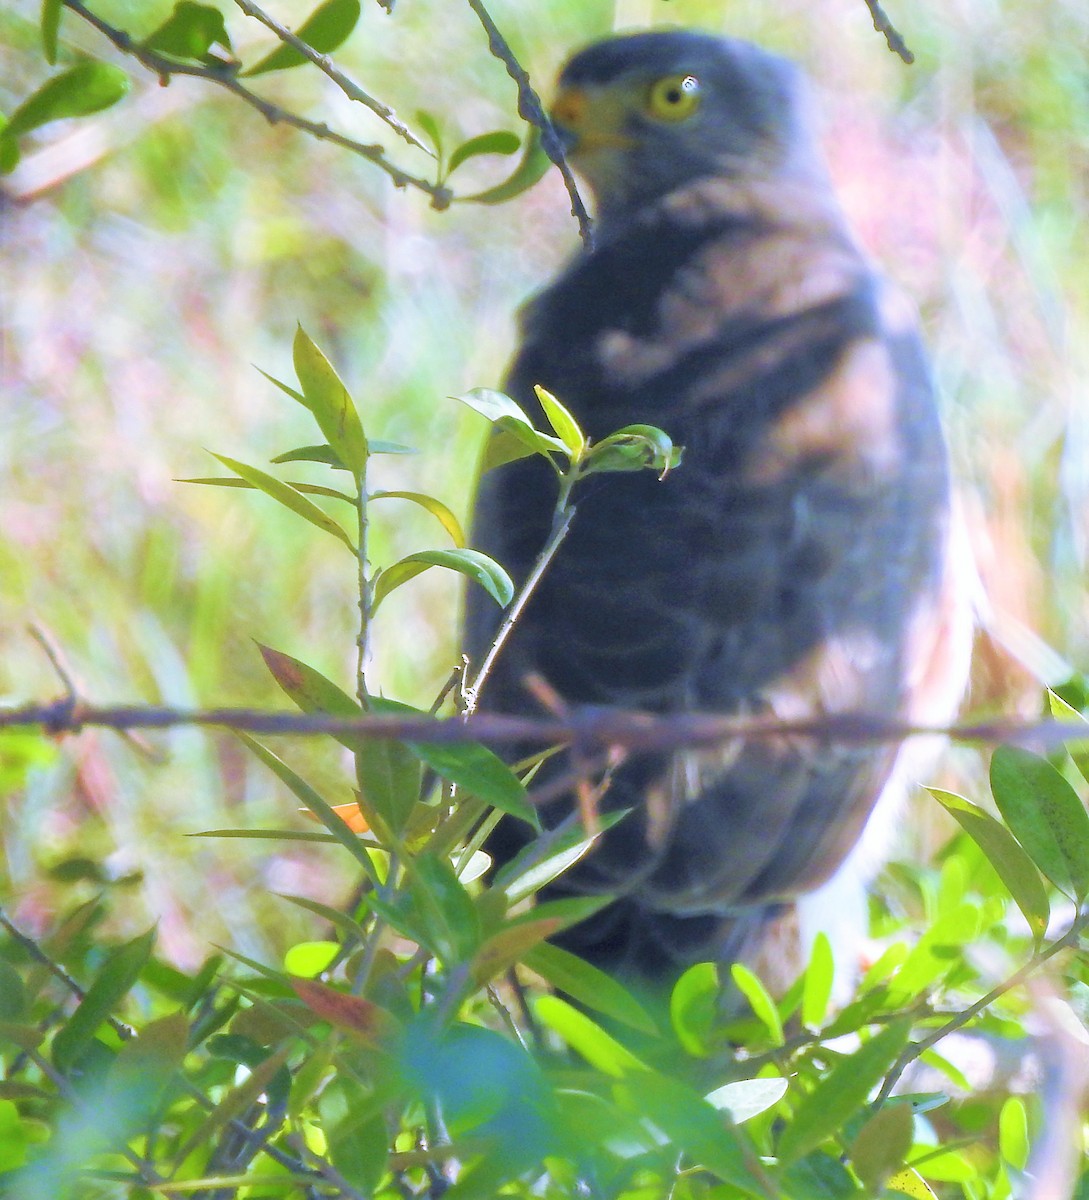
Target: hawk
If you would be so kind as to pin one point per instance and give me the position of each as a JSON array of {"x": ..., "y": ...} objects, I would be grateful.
[{"x": 800, "y": 561}]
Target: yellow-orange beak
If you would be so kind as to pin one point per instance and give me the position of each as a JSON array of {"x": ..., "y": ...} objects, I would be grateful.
[{"x": 589, "y": 119}]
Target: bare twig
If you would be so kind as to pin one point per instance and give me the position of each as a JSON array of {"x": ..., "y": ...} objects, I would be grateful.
[
  {"x": 884, "y": 26},
  {"x": 324, "y": 63},
  {"x": 531, "y": 110},
  {"x": 586, "y": 727},
  {"x": 225, "y": 77},
  {"x": 915, "y": 1049}
]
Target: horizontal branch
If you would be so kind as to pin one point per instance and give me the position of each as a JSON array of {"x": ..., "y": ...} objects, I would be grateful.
[{"x": 587, "y": 729}]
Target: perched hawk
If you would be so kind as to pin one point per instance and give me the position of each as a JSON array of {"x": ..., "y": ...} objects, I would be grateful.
[{"x": 796, "y": 564}]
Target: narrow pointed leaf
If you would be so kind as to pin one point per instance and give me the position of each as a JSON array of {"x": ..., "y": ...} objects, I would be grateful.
[
  {"x": 588, "y": 985},
  {"x": 1012, "y": 865},
  {"x": 749, "y": 985},
  {"x": 308, "y": 489},
  {"x": 510, "y": 945},
  {"x": 113, "y": 982},
  {"x": 502, "y": 141},
  {"x": 530, "y": 169},
  {"x": 1046, "y": 816},
  {"x": 503, "y": 412},
  {"x": 445, "y": 908},
  {"x": 587, "y": 1038},
  {"x": 189, "y": 32},
  {"x": 86, "y": 88},
  {"x": 436, "y": 508},
  {"x": 309, "y": 796},
  {"x": 819, "y": 977},
  {"x": 548, "y": 857},
  {"x": 430, "y": 126},
  {"x": 471, "y": 563},
  {"x": 564, "y": 425},
  {"x": 324, "y": 30},
  {"x": 823, "y": 1111},
  {"x": 332, "y": 406},
  {"x": 1078, "y": 750},
  {"x": 286, "y": 495}
]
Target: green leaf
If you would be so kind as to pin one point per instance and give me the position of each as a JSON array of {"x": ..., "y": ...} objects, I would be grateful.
[
  {"x": 509, "y": 945},
  {"x": 749, "y": 985},
  {"x": 532, "y": 167},
  {"x": 819, "y": 977},
  {"x": 587, "y": 1038},
  {"x": 286, "y": 495},
  {"x": 747, "y": 1098},
  {"x": 9, "y": 149},
  {"x": 910, "y": 1183},
  {"x": 445, "y": 908},
  {"x": 358, "y": 1143},
  {"x": 1013, "y": 1138},
  {"x": 471, "y": 563},
  {"x": 591, "y": 987},
  {"x": 503, "y": 412},
  {"x": 350, "y": 930},
  {"x": 503, "y": 447},
  {"x": 309, "y": 489},
  {"x": 333, "y": 408},
  {"x": 936, "y": 953},
  {"x": 564, "y": 425},
  {"x": 1012, "y": 865},
  {"x": 548, "y": 857},
  {"x": 190, "y": 31},
  {"x": 308, "y": 959},
  {"x": 86, "y": 88},
  {"x": 694, "y": 1127},
  {"x": 312, "y": 800},
  {"x": 499, "y": 142},
  {"x": 694, "y": 1008},
  {"x": 1078, "y": 750},
  {"x": 324, "y": 30},
  {"x": 431, "y": 127},
  {"x": 634, "y": 448},
  {"x": 436, "y": 508},
  {"x": 158, "y": 1049},
  {"x": 1046, "y": 816},
  {"x": 823, "y": 1112},
  {"x": 51, "y": 15},
  {"x": 473, "y": 767},
  {"x": 881, "y": 1145},
  {"x": 112, "y": 983}
]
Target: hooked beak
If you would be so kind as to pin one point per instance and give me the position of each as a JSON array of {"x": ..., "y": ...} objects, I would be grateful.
[{"x": 586, "y": 120}]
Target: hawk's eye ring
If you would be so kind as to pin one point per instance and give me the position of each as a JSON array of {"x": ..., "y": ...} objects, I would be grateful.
[{"x": 673, "y": 97}]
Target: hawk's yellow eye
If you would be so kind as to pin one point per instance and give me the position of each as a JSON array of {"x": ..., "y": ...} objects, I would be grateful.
[{"x": 674, "y": 97}]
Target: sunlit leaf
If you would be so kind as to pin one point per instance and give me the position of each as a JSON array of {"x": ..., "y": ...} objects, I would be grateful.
[
  {"x": 328, "y": 399},
  {"x": 307, "y": 959},
  {"x": 586, "y": 1037},
  {"x": 503, "y": 447},
  {"x": 472, "y": 564},
  {"x": 1078, "y": 750},
  {"x": 822, "y": 1112},
  {"x": 1046, "y": 816},
  {"x": 114, "y": 980},
  {"x": 749, "y": 985},
  {"x": 348, "y": 813},
  {"x": 430, "y": 126},
  {"x": 694, "y": 1008},
  {"x": 86, "y": 88},
  {"x": 747, "y": 1098},
  {"x": 910, "y": 1183},
  {"x": 532, "y": 167},
  {"x": 500, "y": 142},
  {"x": 436, "y": 508},
  {"x": 548, "y": 857},
  {"x": 591, "y": 987},
  {"x": 308, "y": 489},
  {"x": 564, "y": 425},
  {"x": 324, "y": 30},
  {"x": 819, "y": 976},
  {"x": 1013, "y": 1137},
  {"x": 1012, "y": 865},
  {"x": 286, "y": 495},
  {"x": 509, "y": 418}
]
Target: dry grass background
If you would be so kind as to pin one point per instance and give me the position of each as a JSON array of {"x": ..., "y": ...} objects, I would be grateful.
[{"x": 152, "y": 254}]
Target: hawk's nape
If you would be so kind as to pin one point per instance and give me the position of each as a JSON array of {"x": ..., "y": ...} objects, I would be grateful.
[{"x": 796, "y": 564}]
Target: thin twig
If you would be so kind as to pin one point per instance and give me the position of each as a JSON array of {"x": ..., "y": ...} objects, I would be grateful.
[
  {"x": 884, "y": 26},
  {"x": 915, "y": 1049},
  {"x": 532, "y": 110},
  {"x": 607, "y": 728},
  {"x": 225, "y": 77},
  {"x": 324, "y": 63}
]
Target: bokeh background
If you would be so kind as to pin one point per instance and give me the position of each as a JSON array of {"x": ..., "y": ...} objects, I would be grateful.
[{"x": 150, "y": 256}]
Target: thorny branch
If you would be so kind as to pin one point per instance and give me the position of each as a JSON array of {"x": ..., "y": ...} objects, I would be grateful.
[
  {"x": 586, "y": 729},
  {"x": 892, "y": 35},
  {"x": 225, "y": 77},
  {"x": 531, "y": 110}
]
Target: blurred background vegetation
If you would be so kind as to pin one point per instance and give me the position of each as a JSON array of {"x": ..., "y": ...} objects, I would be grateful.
[{"x": 153, "y": 254}]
